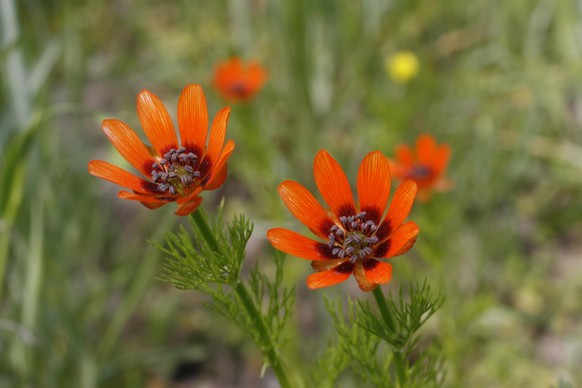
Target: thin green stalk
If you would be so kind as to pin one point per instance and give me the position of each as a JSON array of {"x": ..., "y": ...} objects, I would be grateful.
[
  {"x": 9, "y": 217},
  {"x": 16, "y": 78},
  {"x": 265, "y": 338},
  {"x": 22, "y": 351},
  {"x": 200, "y": 221},
  {"x": 34, "y": 267},
  {"x": 385, "y": 311},
  {"x": 140, "y": 279},
  {"x": 269, "y": 348},
  {"x": 15, "y": 69}
]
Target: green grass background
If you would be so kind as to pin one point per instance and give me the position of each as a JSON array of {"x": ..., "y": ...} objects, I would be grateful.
[{"x": 499, "y": 81}]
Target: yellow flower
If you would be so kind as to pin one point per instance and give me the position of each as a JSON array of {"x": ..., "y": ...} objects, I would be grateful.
[{"x": 402, "y": 66}]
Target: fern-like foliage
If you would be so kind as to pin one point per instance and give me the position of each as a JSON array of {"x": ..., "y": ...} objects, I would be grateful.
[
  {"x": 409, "y": 313},
  {"x": 192, "y": 263},
  {"x": 368, "y": 346},
  {"x": 275, "y": 303},
  {"x": 209, "y": 258}
]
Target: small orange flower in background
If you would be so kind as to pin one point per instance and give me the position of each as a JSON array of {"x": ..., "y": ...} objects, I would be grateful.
[
  {"x": 426, "y": 165},
  {"x": 354, "y": 236},
  {"x": 173, "y": 172},
  {"x": 238, "y": 82}
]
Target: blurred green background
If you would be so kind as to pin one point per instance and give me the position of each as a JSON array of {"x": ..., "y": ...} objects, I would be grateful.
[{"x": 80, "y": 303}]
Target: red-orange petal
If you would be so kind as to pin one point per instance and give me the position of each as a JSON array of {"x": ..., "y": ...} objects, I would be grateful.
[
  {"x": 193, "y": 118},
  {"x": 142, "y": 197},
  {"x": 257, "y": 76},
  {"x": 217, "y": 134},
  {"x": 219, "y": 167},
  {"x": 153, "y": 205},
  {"x": 232, "y": 68},
  {"x": 303, "y": 205},
  {"x": 377, "y": 272},
  {"x": 189, "y": 207},
  {"x": 129, "y": 145},
  {"x": 425, "y": 148},
  {"x": 333, "y": 185},
  {"x": 189, "y": 197},
  {"x": 234, "y": 71},
  {"x": 401, "y": 240},
  {"x": 441, "y": 158},
  {"x": 404, "y": 155},
  {"x": 324, "y": 265},
  {"x": 397, "y": 169},
  {"x": 374, "y": 185},
  {"x": 156, "y": 122},
  {"x": 119, "y": 176},
  {"x": 401, "y": 204},
  {"x": 360, "y": 276},
  {"x": 297, "y": 245},
  {"x": 217, "y": 179},
  {"x": 331, "y": 276}
]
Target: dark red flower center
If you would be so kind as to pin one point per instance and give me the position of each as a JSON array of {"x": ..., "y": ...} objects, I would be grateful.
[
  {"x": 354, "y": 239},
  {"x": 420, "y": 171},
  {"x": 176, "y": 171},
  {"x": 239, "y": 89}
]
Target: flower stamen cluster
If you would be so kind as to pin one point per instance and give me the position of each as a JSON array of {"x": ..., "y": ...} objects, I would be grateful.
[
  {"x": 355, "y": 239},
  {"x": 176, "y": 171}
]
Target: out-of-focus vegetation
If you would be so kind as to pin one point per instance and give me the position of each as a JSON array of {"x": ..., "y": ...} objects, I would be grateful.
[{"x": 80, "y": 303}]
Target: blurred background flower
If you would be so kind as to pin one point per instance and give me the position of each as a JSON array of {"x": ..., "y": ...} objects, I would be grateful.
[
  {"x": 425, "y": 164},
  {"x": 238, "y": 81},
  {"x": 402, "y": 66}
]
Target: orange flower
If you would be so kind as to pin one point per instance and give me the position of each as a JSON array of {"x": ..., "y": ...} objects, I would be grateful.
[
  {"x": 426, "y": 167},
  {"x": 354, "y": 235},
  {"x": 174, "y": 173},
  {"x": 237, "y": 82}
]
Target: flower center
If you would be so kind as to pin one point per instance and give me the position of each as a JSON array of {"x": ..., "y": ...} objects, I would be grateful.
[
  {"x": 354, "y": 239},
  {"x": 239, "y": 89},
  {"x": 176, "y": 171},
  {"x": 420, "y": 172}
]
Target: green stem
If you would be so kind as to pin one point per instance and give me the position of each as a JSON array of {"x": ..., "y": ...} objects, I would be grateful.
[
  {"x": 399, "y": 362},
  {"x": 200, "y": 220},
  {"x": 265, "y": 342},
  {"x": 8, "y": 219},
  {"x": 384, "y": 310},
  {"x": 17, "y": 77}
]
